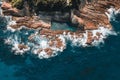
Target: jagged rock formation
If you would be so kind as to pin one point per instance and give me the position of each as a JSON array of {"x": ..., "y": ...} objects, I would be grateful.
[
  {"x": 31, "y": 7},
  {"x": 87, "y": 17}
]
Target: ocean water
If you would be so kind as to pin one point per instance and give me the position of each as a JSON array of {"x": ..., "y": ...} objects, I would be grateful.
[
  {"x": 74, "y": 63},
  {"x": 62, "y": 26}
]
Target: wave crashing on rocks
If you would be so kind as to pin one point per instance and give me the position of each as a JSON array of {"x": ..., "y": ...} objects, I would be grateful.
[
  {"x": 43, "y": 44},
  {"x": 26, "y": 40}
]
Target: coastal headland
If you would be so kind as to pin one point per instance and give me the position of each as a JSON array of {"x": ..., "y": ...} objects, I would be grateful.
[{"x": 91, "y": 21}]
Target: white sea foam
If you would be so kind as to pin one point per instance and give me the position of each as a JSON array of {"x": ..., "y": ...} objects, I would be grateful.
[
  {"x": 1, "y": 12},
  {"x": 17, "y": 50},
  {"x": 10, "y": 22},
  {"x": 8, "y": 18},
  {"x": 14, "y": 41},
  {"x": 75, "y": 41},
  {"x": 105, "y": 32},
  {"x": 81, "y": 41},
  {"x": 40, "y": 42},
  {"x": 111, "y": 13},
  {"x": 43, "y": 44},
  {"x": 43, "y": 54}
]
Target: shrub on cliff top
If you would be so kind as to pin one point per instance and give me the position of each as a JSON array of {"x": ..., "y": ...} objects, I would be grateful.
[
  {"x": 17, "y": 3},
  {"x": 50, "y": 1},
  {"x": 38, "y": 5}
]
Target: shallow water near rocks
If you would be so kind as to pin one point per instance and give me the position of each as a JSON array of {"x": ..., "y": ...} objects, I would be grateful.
[{"x": 63, "y": 26}]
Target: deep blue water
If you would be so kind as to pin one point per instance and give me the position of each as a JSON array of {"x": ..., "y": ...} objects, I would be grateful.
[{"x": 74, "y": 63}]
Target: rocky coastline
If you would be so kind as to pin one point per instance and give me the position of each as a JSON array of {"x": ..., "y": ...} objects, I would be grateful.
[{"x": 91, "y": 21}]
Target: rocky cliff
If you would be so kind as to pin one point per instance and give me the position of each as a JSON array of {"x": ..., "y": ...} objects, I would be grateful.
[
  {"x": 50, "y": 5},
  {"x": 60, "y": 8}
]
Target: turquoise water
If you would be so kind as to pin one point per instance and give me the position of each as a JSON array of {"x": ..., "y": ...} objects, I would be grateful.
[
  {"x": 74, "y": 63},
  {"x": 63, "y": 26}
]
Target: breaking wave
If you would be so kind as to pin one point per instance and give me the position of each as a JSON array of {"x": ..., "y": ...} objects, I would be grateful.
[{"x": 21, "y": 43}]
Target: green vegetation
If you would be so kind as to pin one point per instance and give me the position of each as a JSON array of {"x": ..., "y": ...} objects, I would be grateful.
[
  {"x": 17, "y": 3},
  {"x": 50, "y": 5},
  {"x": 51, "y": 1}
]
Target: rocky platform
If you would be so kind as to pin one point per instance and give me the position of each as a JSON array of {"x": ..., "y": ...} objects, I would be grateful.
[{"x": 92, "y": 20}]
